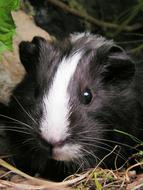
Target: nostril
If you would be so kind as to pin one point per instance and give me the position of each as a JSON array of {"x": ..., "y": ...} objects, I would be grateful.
[
  {"x": 44, "y": 143},
  {"x": 52, "y": 143},
  {"x": 57, "y": 143}
]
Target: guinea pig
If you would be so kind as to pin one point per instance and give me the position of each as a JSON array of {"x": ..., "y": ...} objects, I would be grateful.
[{"x": 79, "y": 105}]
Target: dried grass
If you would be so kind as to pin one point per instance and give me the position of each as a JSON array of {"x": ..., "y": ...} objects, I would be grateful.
[{"x": 100, "y": 179}]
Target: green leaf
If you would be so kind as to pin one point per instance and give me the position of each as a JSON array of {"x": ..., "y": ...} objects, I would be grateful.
[
  {"x": 7, "y": 26},
  {"x": 97, "y": 183},
  {"x": 140, "y": 2},
  {"x": 135, "y": 139}
]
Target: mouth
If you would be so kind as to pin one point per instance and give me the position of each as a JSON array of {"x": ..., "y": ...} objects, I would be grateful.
[{"x": 67, "y": 152}]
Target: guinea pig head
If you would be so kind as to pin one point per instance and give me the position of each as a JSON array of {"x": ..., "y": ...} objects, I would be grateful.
[{"x": 74, "y": 97}]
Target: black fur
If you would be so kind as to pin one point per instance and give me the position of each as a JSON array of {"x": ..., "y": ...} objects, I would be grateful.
[{"x": 116, "y": 85}]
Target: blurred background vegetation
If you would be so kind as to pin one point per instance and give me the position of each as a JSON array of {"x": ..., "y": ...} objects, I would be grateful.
[{"x": 121, "y": 20}]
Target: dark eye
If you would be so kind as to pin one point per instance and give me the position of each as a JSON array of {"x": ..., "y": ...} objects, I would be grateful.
[{"x": 86, "y": 96}]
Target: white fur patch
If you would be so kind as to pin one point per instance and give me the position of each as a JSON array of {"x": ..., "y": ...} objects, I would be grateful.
[
  {"x": 54, "y": 124},
  {"x": 76, "y": 36},
  {"x": 99, "y": 40},
  {"x": 67, "y": 152}
]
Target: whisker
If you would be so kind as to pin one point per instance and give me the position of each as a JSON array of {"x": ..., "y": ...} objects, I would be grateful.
[
  {"x": 103, "y": 148},
  {"x": 90, "y": 153},
  {"x": 95, "y": 130},
  {"x": 14, "y": 130},
  {"x": 80, "y": 162},
  {"x": 5, "y": 116},
  {"x": 28, "y": 140},
  {"x": 28, "y": 114},
  {"x": 16, "y": 126},
  {"x": 94, "y": 156},
  {"x": 96, "y": 141},
  {"x": 111, "y": 141},
  {"x": 107, "y": 155}
]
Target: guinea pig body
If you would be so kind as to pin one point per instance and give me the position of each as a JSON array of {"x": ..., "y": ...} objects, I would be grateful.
[{"x": 77, "y": 101}]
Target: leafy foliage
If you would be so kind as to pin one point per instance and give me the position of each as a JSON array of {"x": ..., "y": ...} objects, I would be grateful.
[{"x": 7, "y": 26}]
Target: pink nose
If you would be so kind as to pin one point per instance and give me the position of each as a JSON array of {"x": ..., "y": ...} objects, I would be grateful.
[
  {"x": 51, "y": 143},
  {"x": 57, "y": 143}
]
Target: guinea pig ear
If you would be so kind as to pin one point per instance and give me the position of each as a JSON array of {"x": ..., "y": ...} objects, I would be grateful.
[
  {"x": 29, "y": 53},
  {"x": 120, "y": 68}
]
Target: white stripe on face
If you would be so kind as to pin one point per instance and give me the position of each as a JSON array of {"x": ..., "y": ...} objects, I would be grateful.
[{"x": 54, "y": 124}]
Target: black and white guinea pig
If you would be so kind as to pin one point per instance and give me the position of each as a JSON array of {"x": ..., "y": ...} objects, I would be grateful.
[{"x": 78, "y": 100}]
